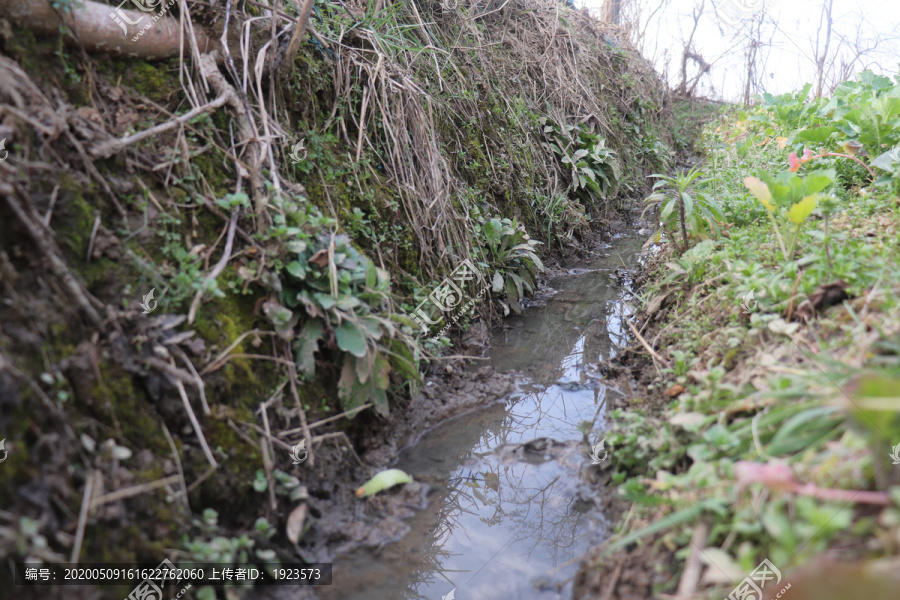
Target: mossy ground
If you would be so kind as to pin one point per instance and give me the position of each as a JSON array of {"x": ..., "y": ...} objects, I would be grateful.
[{"x": 100, "y": 381}]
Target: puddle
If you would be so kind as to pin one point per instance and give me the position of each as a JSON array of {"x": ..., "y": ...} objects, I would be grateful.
[{"x": 510, "y": 511}]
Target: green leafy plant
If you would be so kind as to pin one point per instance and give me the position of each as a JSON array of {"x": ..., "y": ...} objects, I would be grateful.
[
  {"x": 789, "y": 197},
  {"x": 890, "y": 163},
  {"x": 336, "y": 298},
  {"x": 504, "y": 248},
  {"x": 596, "y": 173},
  {"x": 695, "y": 213}
]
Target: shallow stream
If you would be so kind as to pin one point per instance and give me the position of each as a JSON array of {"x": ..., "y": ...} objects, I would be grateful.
[{"x": 511, "y": 509}]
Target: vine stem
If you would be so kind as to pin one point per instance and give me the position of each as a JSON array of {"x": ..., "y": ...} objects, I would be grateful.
[{"x": 851, "y": 157}]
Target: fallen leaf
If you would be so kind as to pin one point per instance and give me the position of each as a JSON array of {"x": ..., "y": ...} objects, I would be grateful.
[
  {"x": 320, "y": 258},
  {"x": 689, "y": 420},
  {"x": 657, "y": 303},
  {"x": 295, "y": 523},
  {"x": 675, "y": 390},
  {"x": 781, "y": 326},
  {"x": 383, "y": 481}
]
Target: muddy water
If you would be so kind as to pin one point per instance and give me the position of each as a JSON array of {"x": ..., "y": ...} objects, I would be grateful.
[{"x": 510, "y": 508}]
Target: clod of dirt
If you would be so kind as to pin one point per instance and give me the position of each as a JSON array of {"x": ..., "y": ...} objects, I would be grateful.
[{"x": 825, "y": 296}]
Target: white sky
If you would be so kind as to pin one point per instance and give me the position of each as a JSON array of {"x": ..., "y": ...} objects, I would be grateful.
[{"x": 790, "y": 60}]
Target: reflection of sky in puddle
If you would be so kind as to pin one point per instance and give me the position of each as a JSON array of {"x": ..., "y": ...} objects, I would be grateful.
[
  {"x": 512, "y": 525},
  {"x": 555, "y": 413},
  {"x": 506, "y": 529}
]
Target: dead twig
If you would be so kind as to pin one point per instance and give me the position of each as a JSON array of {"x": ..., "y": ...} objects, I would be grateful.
[
  {"x": 690, "y": 577},
  {"x": 174, "y": 449},
  {"x": 347, "y": 413},
  {"x": 110, "y": 147},
  {"x": 195, "y": 423},
  {"x": 292, "y": 374},
  {"x": 94, "y": 229},
  {"x": 613, "y": 581},
  {"x": 47, "y": 247},
  {"x": 134, "y": 490},
  {"x": 198, "y": 381},
  {"x": 221, "y": 359},
  {"x": 82, "y": 516},
  {"x": 220, "y": 266},
  {"x": 268, "y": 451},
  {"x": 647, "y": 347}
]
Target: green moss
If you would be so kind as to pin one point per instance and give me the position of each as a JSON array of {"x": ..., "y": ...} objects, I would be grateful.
[
  {"x": 73, "y": 217},
  {"x": 218, "y": 177},
  {"x": 158, "y": 81}
]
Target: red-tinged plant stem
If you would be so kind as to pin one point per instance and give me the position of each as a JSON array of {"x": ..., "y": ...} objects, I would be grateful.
[{"x": 850, "y": 156}]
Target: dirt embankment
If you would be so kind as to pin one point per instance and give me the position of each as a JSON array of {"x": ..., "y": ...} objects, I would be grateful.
[{"x": 207, "y": 258}]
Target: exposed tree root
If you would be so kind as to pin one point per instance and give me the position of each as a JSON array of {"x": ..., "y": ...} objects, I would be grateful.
[{"x": 93, "y": 28}]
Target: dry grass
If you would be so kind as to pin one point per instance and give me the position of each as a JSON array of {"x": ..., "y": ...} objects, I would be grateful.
[{"x": 406, "y": 74}]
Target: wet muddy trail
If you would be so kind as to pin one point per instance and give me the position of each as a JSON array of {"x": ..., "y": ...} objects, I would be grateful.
[{"x": 510, "y": 504}]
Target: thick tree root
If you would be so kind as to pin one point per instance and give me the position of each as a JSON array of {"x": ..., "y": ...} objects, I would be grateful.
[{"x": 103, "y": 28}]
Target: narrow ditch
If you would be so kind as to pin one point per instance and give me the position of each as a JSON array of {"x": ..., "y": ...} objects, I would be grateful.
[{"x": 510, "y": 506}]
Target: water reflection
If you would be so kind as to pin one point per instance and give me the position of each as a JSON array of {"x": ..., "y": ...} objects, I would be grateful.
[{"x": 505, "y": 518}]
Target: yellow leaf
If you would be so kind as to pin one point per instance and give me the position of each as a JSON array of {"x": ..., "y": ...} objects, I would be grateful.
[
  {"x": 761, "y": 191},
  {"x": 383, "y": 481},
  {"x": 801, "y": 211}
]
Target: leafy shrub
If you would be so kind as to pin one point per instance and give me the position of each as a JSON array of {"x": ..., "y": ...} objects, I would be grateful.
[
  {"x": 504, "y": 248},
  {"x": 596, "y": 173},
  {"x": 788, "y": 197},
  {"x": 696, "y": 212},
  {"x": 338, "y": 299}
]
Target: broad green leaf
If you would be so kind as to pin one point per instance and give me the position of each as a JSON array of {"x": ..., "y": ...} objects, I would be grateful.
[
  {"x": 817, "y": 181},
  {"x": 511, "y": 289},
  {"x": 381, "y": 372},
  {"x": 350, "y": 392},
  {"x": 347, "y": 302},
  {"x": 818, "y": 134},
  {"x": 350, "y": 339},
  {"x": 380, "y": 402},
  {"x": 296, "y": 269},
  {"x": 888, "y": 161},
  {"x": 801, "y": 211},
  {"x": 688, "y": 205},
  {"x": 306, "y": 345},
  {"x": 372, "y": 327},
  {"x": 326, "y": 301}
]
